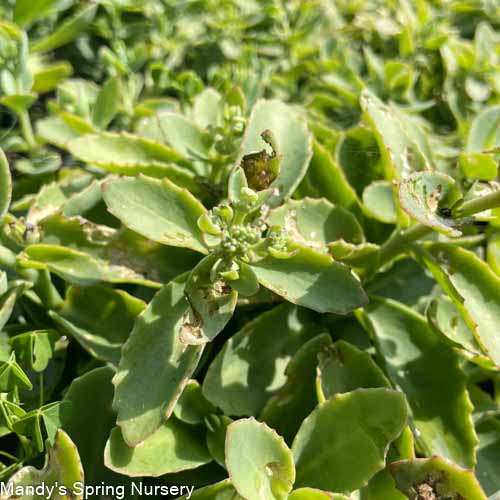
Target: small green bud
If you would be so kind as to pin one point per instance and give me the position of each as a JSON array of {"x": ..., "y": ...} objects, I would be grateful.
[{"x": 207, "y": 225}]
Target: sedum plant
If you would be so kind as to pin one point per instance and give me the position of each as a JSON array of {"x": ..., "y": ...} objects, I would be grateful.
[{"x": 250, "y": 249}]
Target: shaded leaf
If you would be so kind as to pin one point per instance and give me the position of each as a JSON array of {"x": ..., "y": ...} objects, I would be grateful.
[
  {"x": 251, "y": 365},
  {"x": 429, "y": 373}
]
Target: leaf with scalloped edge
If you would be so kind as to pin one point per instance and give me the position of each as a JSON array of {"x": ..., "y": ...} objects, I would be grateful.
[
  {"x": 344, "y": 441},
  {"x": 175, "y": 446},
  {"x": 311, "y": 279},
  {"x": 317, "y": 222},
  {"x": 293, "y": 143},
  {"x": 121, "y": 152},
  {"x": 154, "y": 353},
  {"x": 156, "y": 209},
  {"x": 473, "y": 288},
  {"x": 62, "y": 469},
  {"x": 429, "y": 373},
  {"x": 435, "y": 478},
  {"x": 426, "y": 196}
]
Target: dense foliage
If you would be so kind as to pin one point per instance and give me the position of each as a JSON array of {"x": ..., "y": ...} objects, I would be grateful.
[{"x": 251, "y": 246}]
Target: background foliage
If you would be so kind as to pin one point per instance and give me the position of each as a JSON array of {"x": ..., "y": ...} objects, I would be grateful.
[{"x": 251, "y": 246}]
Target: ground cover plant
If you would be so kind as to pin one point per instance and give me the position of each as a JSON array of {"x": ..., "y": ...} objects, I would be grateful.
[{"x": 250, "y": 247}]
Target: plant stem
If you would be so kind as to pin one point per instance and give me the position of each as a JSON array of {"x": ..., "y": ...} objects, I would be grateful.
[
  {"x": 40, "y": 378},
  {"x": 399, "y": 241},
  {"x": 27, "y": 129},
  {"x": 479, "y": 204}
]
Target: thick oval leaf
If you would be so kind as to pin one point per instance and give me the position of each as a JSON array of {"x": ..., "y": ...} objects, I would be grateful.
[
  {"x": 211, "y": 304},
  {"x": 378, "y": 199},
  {"x": 185, "y": 137},
  {"x": 473, "y": 288},
  {"x": 78, "y": 268},
  {"x": 251, "y": 365},
  {"x": 426, "y": 196},
  {"x": 286, "y": 410},
  {"x": 63, "y": 471},
  {"x": 173, "y": 447},
  {"x": 312, "y": 279},
  {"x": 435, "y": 478},
  {"x": 293, "y": 141},
  {"x": 5, "y": 185},
  {"x": 484, "y": 133},
  {"x": 107, "y": 103},
  {"x": 344, "y": 441},
  {"x": 120, "y": 153},
  {"x": 316, "y": 222},
  {"x": 343, "y": 368},
  {"x": 447, "y": 321},
  {"x": 402, "y": 142},
  {"x": 67, "y": 31},
  {"x": 266, "y": 469},
  {"x": 314, "y": 494},
  {"x": 429, "y": 373},
  {"x": 99, "y": 319},
  {"x": 153, "y": 353},
  {"x": 158, "y": 210}
]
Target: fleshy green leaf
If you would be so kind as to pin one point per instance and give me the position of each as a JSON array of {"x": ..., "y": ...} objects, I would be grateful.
[
  {"x": 266, "y": 469},
  {"x": 67, "y": 31},
  {"x": 192, "y": 407},
  {"x": 435, "y": 478},
  {"x": 90, "y": 396},
  {"x": 446, "y": 320},
  {"x": 293, "y": 141},
  {"x": 154, "y": 353},
  {"x": 185, "y": 137},
  {"x": 344, "y": 441},
  {"x": 473, "y": 288},
  {"x": 402, "y": 144},
  {"x": 173, "y": 447},
  {"x": 122, "y": 153},
  {"x": 428, "y": 372},
  {"x": 316, "y": 222},
  {"x": 158, "y": 210},
  {"x": 211, "y": 304},
  {"x": 62, "y": 469},
  {"x": 484, "y": 133},
  {"x": 426, "y": 195},
  {"x": 107, "y": 103},
  {"x": 314, "y": 494},
  {"x": 378, "y": 199},
  {"x": 99, "y": 318},
  {"x": 5, "y": 185},
  {"x": 312, "y": 279},
  {"x": 343, "y": 368}
]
